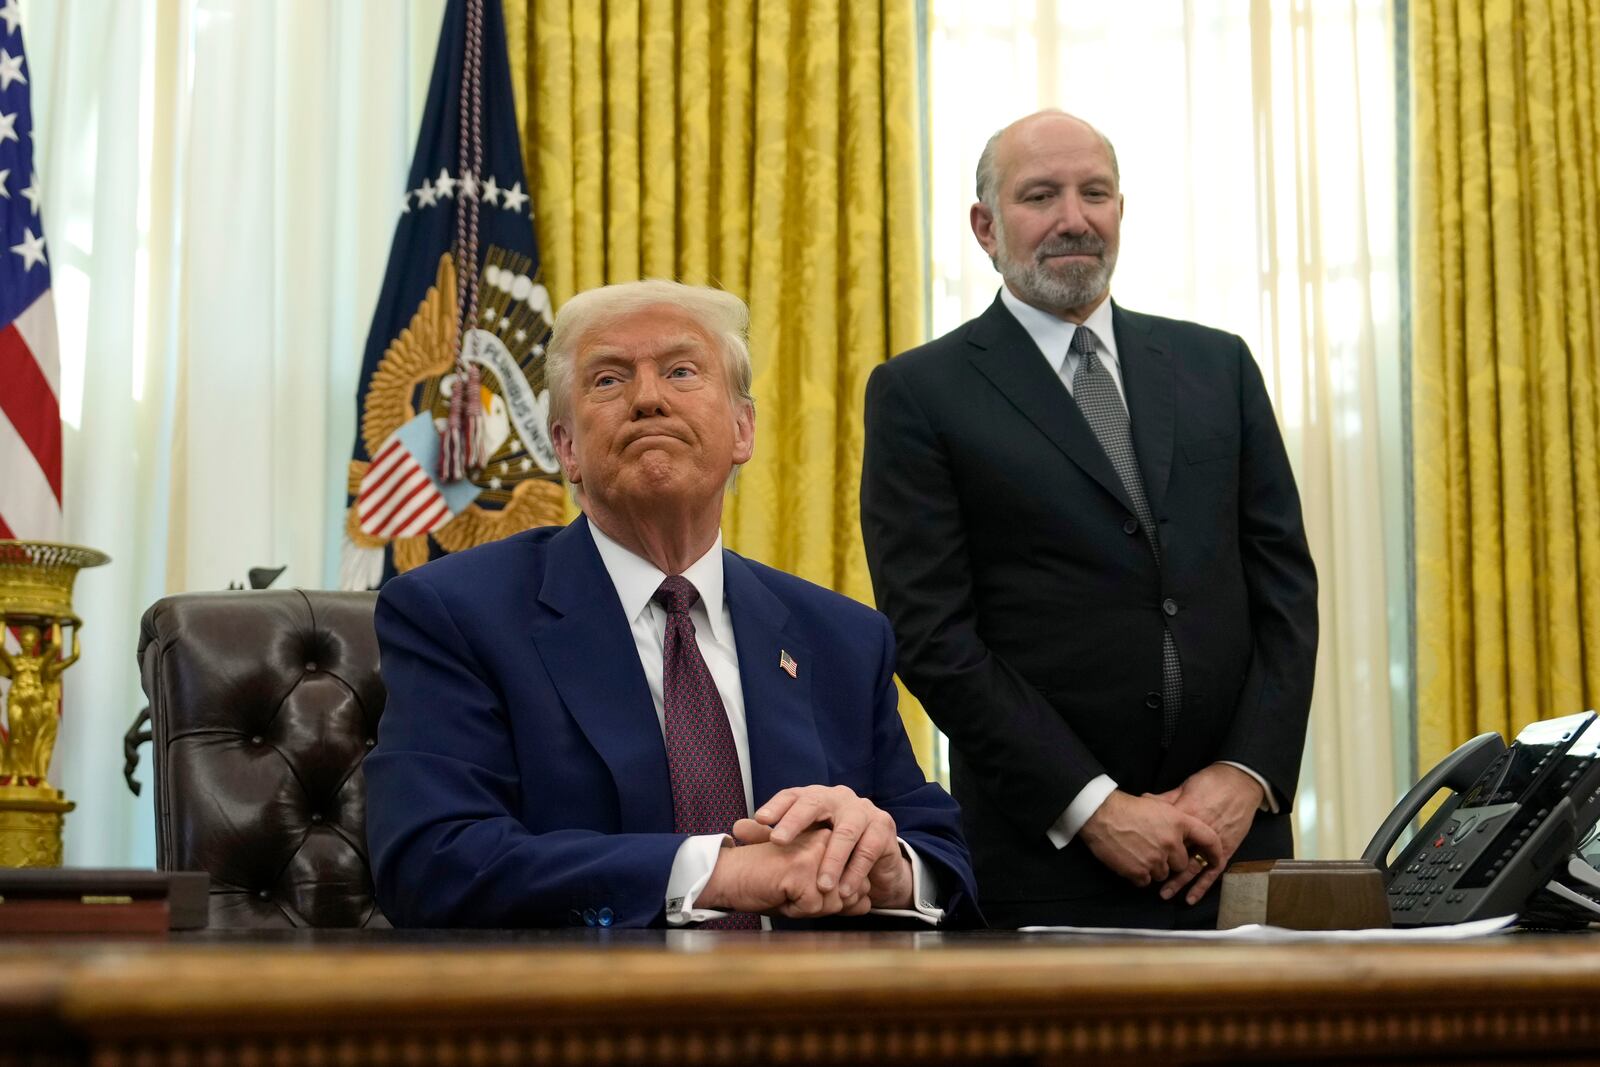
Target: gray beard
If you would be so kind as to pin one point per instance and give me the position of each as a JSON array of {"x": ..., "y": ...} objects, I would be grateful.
[{"x": 1070, "y": 286}]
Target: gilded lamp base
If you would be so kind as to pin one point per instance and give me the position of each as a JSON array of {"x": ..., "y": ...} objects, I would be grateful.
[{"x": 30, "y": 825}]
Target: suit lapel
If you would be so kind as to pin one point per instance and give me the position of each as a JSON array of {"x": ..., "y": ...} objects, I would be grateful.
[
  {"x": 784, "y": 747},
  {"x": 1006, "y": 355},
  {"x": 1149, "y": 378},
  {"x": 590, "y": 654}
]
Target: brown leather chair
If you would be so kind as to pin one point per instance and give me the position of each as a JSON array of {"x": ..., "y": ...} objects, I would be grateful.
[{"x": 263, "y": 705}]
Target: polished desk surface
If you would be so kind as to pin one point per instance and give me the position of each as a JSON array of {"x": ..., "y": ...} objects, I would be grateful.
[{"x": 397, "y": 997}]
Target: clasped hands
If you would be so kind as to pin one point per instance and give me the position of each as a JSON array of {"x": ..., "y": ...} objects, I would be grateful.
[
  {"x": 1181, "y": 838},
  {"x": 811, "y": 852}
]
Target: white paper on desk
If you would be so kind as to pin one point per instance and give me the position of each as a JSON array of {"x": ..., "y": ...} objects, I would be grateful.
[{"x": 1255, "y": 932}]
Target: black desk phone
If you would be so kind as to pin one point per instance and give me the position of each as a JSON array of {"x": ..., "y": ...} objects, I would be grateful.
[{"x": 1516, "y": 818}]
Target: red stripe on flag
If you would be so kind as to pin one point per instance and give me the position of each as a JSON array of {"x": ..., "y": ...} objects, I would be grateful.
[
  {"x": 378, "y": 470},
  {"x": 404, "y": 514},
  {"x": 27, "y": 401},
  {"x": 5, "y": 531},
  {"x": 406, "y": 470},
  {"x": 427, "y": 520},
  {"x": 389, "y": 523}
]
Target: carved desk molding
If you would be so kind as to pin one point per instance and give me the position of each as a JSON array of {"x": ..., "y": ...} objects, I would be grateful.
[{"x": 725, "y": 998}]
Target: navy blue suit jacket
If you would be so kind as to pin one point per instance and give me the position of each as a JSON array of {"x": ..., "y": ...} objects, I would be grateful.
[{"x": 520, "y": 777}]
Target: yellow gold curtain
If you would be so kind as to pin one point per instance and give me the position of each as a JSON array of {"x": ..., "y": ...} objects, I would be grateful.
[
  {"x": 1505, "y": 416},
  {"x": 772, "y": 149}
]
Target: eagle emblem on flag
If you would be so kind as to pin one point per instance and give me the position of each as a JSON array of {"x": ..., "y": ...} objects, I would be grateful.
[
  {"x": 398, "y": 497},
  {"x": 452, "y": 447}
]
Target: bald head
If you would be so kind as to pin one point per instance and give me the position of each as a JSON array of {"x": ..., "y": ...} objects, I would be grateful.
[
  {"x": 1025, "y": 133},
  {"x": 1049, "y": 212}
]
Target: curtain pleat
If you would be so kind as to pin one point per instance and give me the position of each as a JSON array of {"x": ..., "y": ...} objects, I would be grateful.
[{"x": 1505, "y": 421}]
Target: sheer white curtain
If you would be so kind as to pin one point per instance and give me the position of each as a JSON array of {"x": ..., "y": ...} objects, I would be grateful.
[
  {"x": 221, "y": 181},
  {"x": 1256, "y": 141}
]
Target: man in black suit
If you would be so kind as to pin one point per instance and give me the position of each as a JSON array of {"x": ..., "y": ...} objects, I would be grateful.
[{"x": 1083, "y": 525}]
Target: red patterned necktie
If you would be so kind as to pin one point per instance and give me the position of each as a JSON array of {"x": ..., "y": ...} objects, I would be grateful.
[{"x": 707, "y": 788}]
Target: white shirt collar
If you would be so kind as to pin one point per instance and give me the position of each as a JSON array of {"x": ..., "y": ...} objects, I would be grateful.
[
  {"x": 1054, "y": 335},
  {"x": 637, "y": 579}
]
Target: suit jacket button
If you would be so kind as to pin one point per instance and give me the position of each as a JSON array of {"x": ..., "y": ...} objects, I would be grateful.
[
  {"x": 1130, "y": 527},
  {"x": 605, "y": 916},
  {"x": 1169, "y": 606},
  {"x": 1152, "y": 701},
  {"x": 589, "y": 917}
]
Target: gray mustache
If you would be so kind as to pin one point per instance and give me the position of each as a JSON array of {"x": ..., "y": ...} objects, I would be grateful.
[{"x": 1083, "y": 246}]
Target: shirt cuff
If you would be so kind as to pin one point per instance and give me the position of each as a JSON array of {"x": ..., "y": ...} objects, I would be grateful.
[
  {"x": 692, "y": 866},
  {"x": 691, "y": 870},
  {"x": 924, "y": 891},
  {"x": 1083, "y": 806},
  {"x": 1269, "y": 803}
]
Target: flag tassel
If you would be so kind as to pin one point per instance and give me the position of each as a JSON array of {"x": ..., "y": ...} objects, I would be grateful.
[
  {"x": 461, "y": 449},
  {"x": 461, "y": 444}
]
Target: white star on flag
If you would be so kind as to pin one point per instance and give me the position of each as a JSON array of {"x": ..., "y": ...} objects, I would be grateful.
[
  {"x": 11, "y": 69},
  {"x": 515, "y": 198},
  {"x": 405, "y": 202},
  {"x": 30, "y": 365},
  {"x": 469, "y": 186},
  {"x": 426, "y": 197},
  {"x": 446, "y": 184},
  {"x": 31, "y": 249},
  {"x": 491, "y": 192}
]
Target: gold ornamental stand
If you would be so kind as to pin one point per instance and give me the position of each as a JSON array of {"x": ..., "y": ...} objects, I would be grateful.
[{"x": 36, "y": 606}]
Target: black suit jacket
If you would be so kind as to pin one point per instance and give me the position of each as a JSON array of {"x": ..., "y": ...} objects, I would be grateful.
[{"x": 1029, "y": 607}]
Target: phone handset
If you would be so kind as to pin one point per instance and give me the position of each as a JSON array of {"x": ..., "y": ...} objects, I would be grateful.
[{"x": 1456, "y": 772}]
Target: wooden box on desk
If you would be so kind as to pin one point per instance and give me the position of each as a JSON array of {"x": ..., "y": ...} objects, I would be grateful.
[
  {"x": 91, "y": 900},
  {"x": 1304, "y": 895}
]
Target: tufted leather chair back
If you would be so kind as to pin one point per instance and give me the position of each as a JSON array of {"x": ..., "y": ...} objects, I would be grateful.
[{"x": 263, "y": 705}]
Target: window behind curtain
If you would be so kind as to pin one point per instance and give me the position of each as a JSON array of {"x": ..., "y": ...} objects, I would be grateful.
[{"x": 1256, "y": 143}]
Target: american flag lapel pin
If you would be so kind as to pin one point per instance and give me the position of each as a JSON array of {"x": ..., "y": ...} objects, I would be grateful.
[{"x": 786, "y": 661}]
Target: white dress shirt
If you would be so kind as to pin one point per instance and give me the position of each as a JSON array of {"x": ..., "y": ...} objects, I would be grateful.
[
  {"x": 636, "y": 580},
  {"x": 1054, "y": 338}
]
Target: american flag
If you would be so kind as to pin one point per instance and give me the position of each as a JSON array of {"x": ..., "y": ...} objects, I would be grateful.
[{"x": 30, "y": 415}]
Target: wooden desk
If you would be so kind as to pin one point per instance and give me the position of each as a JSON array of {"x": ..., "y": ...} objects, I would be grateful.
[{"x": 705, "y": 997}]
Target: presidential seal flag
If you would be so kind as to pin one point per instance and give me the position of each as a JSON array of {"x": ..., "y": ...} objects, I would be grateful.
[{"x": 452, "y": 448}]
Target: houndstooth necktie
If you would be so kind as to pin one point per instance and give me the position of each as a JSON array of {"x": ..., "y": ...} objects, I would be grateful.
[
  {"x": 707, "y": 788},
  {"x": 1097, "y": 397}
]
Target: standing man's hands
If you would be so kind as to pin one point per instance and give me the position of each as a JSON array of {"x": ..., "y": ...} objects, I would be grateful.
[
  {"x": 1226, "y": 799},
  {"x": 1148, "y": 839}
]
